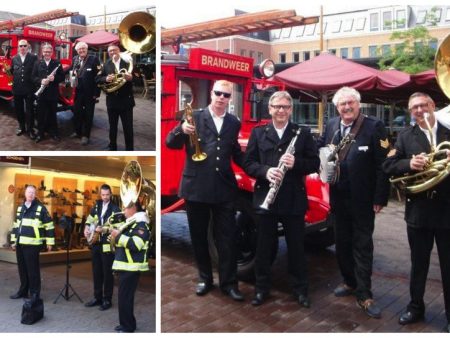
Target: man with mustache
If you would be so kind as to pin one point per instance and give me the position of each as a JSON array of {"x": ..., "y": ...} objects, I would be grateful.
[
  {"x": 361, "y": 191},
  {"x": 427, "y": 213}
]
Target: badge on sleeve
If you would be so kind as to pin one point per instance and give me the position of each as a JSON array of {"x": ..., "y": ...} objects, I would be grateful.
[
  {"x": 384, "y": 143},
  {"x": 392, "y": 152}
]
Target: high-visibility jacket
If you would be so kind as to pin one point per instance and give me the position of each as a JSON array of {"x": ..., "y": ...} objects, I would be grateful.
[
  {"x": 95, "y": 215},
  {"x": 132, "y": 245},
  {"x": 33, "y": 225}
]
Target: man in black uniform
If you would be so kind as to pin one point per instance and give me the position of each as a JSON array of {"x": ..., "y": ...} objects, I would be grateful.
[
  {"x": 130, "y": 260},
  {"x": 32, "y": 226},
  {"x": 427, "y": 214},
  {"x": 267, "y": 147},
  {"x": 23, "y": 89},
  {"x": 85, "y": 68},
  {"x": 361, "y": 192},
  {"x": 48, "y": 100},
  {"x": 210, "y": 188},
  {"x": 120, "y": 102},
  {"x": 102, "y": 257}
]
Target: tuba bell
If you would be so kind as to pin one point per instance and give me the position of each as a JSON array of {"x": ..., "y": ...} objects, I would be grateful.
[
  {"x": 137, "y": 35},
  {"x": 135, "y": 189}
]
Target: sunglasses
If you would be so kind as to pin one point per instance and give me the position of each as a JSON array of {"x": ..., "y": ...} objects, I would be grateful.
[
  {"x": 23, "y": 45},
  {"x": 219, "y": 93}
]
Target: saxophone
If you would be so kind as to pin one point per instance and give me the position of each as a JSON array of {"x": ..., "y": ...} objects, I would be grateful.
[{"x": 274, "y": 187}]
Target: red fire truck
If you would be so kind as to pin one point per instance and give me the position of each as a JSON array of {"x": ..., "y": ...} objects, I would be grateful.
[
  {"x": 190, "y": 79},
  {"x": 14, "y": 30}
]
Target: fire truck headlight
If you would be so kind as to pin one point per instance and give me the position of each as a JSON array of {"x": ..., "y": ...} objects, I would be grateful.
[{"x": 267, "y": 68}]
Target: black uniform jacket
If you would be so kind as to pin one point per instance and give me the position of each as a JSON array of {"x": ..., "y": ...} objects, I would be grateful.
[
  {"x": 366, "y": 183},
  {"x": 22, "y": 82},
  {"x": 86, "y": 75},
  {"x": 211, "y": 180},
  {"x": 430, "y": 208},
  {"x": 41, "y": 71},
  {"x": 121, "y": 99},
  {"x": 97, "y": 210},
  {"x": 264, "y": 150}
]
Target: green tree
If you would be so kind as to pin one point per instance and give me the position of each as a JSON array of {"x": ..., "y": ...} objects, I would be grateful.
[{"x": 414, "y": 54}]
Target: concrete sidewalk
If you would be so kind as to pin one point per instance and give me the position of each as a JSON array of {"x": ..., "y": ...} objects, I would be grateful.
[{"x": 71, "y": 315}]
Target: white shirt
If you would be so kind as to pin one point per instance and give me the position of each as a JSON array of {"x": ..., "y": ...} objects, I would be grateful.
[
  {"x": 218, "y": 120},
  {"x": 22, "y": 57},
  {"x": 117, "y": 64},
  {"x": 104, "y": 208},
  {"x": 433, "y": 131},
  {"x": 280, "y": 131}
]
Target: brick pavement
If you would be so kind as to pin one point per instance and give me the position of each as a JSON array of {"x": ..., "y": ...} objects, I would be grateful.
[
  {"x": 144, "y": 129},
  {"x": 72, "y": 316},
  {"x": 183, "y": 311}
]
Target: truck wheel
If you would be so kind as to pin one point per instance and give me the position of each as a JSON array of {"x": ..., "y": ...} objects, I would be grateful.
[{"x": 322, "y": 239}]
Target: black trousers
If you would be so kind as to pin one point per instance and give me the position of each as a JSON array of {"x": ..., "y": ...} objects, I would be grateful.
[
  {"x": 83, "y": 114},
  {"x": 294, "y": 227},
  {"x": 25, "y": 111},
  {"x": 354, "y": 247},
  {"x": 102, "y": 272},
  {"x": 225, "y": 237},
  {"x": 47, "y": 117},
  {"x": 421, "y": 241},
  {"x": 29, "y": 269},
  {"x": 128, "y": 282},
  {"x": 126, "y": 116}
]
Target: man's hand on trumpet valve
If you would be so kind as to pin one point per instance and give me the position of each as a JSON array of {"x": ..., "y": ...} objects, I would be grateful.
[
  {"x": 187, "y": 128},
  {"x": 115, "y": 233},
  {"x": 418, "y": 162}
]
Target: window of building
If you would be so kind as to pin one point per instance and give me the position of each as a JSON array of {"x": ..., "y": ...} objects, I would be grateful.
[
  {"x": 374, "y": 22},
  {"x": 336, "y": 27},
  {"x": 306, "y": 56},
  {"x": 348, "y": 25},
  {"x": 360, "y": 24},
  {"x": 243, "y": 52},
  {"x": 300, "y": 30},
  {"x": 447, "y": 14},
  {"x": 324, "y": 28},
  {"x": 400, "y": 18},
  {"x": 295, "y": 57},
  {"x": 316, "y": 52},
  {"x": 226, "y": 50},
  {"x": 286, "y": 32},
  {"x": 332, "y": 51},
  {"x": 437, "y": 14},
  {"x": 387, "y": 21},
  {"x": 282, "y": 57},
  {"x": 385, "y": 50},
  {"x": 344, "y": 53},
  {"x": 421, "y": 17},
  {"x": 309, "y": 29},
  {"x": 433, "y": 45},
  {"x": 356, "y": 52},
  {"x": 251, "y": 54},
  {"x": 276, "y": 33},
  {"x": 260, "y": 57},
  {"x": 373, "y": 51}
]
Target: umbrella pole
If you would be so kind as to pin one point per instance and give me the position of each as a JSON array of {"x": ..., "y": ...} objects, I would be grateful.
[{"x": 322, "y": 104}]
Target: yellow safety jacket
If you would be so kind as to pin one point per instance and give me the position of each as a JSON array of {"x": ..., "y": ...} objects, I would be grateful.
[
  {"x": 132, "y": 245},
  {"x": 33, "y": 225}
]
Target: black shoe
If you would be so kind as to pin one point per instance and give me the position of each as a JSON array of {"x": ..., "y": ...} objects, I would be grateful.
[
  {"x": 56, "y": 138},
  {"x": 259, "y": 298},
  {"x": 20, "y": 131},
  {"x": 32, "y": 135},
  {"x": 370, "y": 308},
  {"x": 409, "y": 317},
  {"x": 18, "y": 295},
  {"x": 105, "y": 306},
  {"x": 203, "y": 288},
  {"x": 118, "y": 328},
  {"x": 235, "y": 294},
  {"x": 93, "y": 302},
  {"x": 446, "y": 328},
  {"x": 38, "y": 139},
  {"x": 343, "y": 290},
  {"x": 304, "y": 301}
]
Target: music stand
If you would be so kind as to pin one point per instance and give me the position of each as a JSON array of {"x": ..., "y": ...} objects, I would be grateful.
[{"x": 66, "y": 223}]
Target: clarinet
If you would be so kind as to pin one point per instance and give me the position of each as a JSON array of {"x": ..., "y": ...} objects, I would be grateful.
[
  {"x": 43, "y": 86},
  {"x": 274, "y": 187}
]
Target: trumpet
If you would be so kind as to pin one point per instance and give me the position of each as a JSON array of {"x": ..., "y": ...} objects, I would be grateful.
[{"x": 199, "y": 155}]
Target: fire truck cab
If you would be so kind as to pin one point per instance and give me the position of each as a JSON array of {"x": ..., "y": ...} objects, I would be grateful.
[
  {"x": 189, "y": 79},
  {"x": 36, "y": 37}
]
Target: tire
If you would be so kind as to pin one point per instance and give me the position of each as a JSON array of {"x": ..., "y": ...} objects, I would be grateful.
[{"x": 320, "y": 240}]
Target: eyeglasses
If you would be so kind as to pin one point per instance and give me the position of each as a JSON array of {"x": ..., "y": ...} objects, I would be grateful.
[
  {"x": 343, "y": 104},
  {"x": 417, "y": 106},
  {"x": 23, "y": 45},
  {"x": 279, "y": 106},
  {"x": 219, "y": 93}
]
